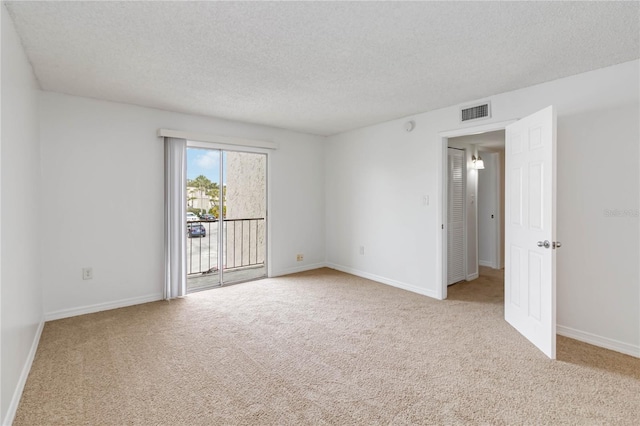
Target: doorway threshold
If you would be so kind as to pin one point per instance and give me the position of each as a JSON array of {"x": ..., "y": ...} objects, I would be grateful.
[{"x": 231, "y": 276}]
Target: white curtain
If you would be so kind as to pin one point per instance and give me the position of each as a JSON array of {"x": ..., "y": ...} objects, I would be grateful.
[{"x": 175, "y": 241}]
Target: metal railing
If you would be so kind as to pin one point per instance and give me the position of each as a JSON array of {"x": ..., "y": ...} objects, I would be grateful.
[{"x": 243, "y": 245}]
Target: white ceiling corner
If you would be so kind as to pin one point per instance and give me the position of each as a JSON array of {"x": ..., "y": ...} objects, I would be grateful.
[{"x": 316, "y": 67}]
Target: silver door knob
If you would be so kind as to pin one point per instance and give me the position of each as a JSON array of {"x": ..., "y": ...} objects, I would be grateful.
[
  {"x": 545, "y": 244},
  {"x": 557, "y": 244}
]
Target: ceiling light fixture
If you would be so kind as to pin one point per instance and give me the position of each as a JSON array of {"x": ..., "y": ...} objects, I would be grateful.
[{"x": 478, "y": 164}]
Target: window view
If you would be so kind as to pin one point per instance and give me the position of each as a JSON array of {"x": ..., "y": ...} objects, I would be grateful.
[{"x": 226, "y": 222}]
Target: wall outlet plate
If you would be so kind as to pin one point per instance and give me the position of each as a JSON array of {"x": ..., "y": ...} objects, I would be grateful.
[
  {"x": 87, "y": 273},
  {"x": 300, "y": 257}
]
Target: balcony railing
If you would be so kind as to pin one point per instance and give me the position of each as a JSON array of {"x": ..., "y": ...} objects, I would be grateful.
[{"x": 243, "y": 245}]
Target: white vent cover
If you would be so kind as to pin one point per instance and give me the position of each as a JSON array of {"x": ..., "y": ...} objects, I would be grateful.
[{"x": 475, "y": 112}]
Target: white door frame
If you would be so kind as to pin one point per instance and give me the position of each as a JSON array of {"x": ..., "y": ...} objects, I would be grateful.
[{"x": 442, "y": 234}]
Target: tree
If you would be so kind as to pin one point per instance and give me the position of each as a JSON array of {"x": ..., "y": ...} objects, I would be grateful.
[
  {"x": 215, "y": 211},
  {"x": 210, "y": 189},
  {"x": 214, "y": 193},
  {"x": 202, "y": 182}
]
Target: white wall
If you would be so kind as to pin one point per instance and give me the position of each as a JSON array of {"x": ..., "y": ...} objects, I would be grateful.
[
  {"x": 377, "y": 177},
  {"x": 488, "y": 210},
  {"x": 597, "y": 273},
  {"x": 21, "y": 204},
  {"x": 471, "y": 199},
  {"x": 102, "y": 168},
  {"x": 376, "y": 181}
]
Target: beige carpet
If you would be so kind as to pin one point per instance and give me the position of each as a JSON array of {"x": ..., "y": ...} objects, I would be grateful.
[{"x": 318, "y": 348}]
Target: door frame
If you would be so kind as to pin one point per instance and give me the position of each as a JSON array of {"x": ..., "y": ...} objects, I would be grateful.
[
  {"x": 443, "y": 188},
  {"x": 242, "y": 148}
]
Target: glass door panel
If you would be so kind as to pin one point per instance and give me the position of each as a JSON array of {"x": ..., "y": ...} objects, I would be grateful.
[
  {"x": 244, "y": 242},
  {"x": 226, "y": 223},
  {"x": 203, "y": 236}
]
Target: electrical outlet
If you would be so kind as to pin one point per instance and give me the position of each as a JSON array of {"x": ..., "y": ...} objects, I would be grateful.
[
  {"x": 300, "y": 257},
  {"x": 87, "y": 273},
  {"x": 362, "y": 250}
]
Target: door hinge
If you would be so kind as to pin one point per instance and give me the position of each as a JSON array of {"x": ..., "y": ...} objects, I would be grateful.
[{"x": 443, "y": 226}]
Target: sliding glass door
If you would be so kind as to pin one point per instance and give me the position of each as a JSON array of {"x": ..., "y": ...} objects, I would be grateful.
[{"x": 226, "y": 217}]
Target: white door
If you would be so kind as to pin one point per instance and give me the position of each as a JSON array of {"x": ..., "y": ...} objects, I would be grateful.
[
  {"x": 530, "y": 287},
  {"x": 455, "y": 217}
]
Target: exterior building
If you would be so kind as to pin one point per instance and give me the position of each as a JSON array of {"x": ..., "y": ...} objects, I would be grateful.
[
  {"x": 198, "y": 199},
  {"x": 246, "y": 188}
]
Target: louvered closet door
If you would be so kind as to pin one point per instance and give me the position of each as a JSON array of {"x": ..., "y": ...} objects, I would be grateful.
[{"x": 456, "y": 216}]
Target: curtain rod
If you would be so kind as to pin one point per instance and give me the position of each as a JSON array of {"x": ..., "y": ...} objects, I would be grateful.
[{"x": 254, "y": 143}]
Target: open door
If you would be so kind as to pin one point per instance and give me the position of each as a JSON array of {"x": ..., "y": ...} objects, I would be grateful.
[
  {"x": 456, "y": 216},
  {"x": 226, "y": 199},
  {"x": 530, "y": 213}
]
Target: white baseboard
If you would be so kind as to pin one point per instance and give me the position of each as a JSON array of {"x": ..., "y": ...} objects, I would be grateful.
[
  {"x": 487, "y": 263},
  {"x": 383, "y": 280},
  {"x": 297, "y": 269},
  {"x": 82, "y": 310},
  {"x": 472, "y": 277},
  {"x": 22, "y": 380},
  {"x": 603, "y": 342}
]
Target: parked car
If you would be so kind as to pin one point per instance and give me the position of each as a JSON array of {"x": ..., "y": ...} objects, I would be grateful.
[
  {"x": 209, "y": 217},
  {"x": 191, "y": 217},
  {"x": 196, "y": 230}
]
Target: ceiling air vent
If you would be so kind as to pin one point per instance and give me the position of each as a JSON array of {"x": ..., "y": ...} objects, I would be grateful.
[{"x": 475, "y": 112}]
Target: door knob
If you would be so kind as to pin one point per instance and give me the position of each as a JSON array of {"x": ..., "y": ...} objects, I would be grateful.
[
  {"x": 545, "y": 244},
  {"x": 557, "y": 244}
]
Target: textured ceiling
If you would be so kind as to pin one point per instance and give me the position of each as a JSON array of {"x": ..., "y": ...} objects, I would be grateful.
[{"x": 316, "y": 67}]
